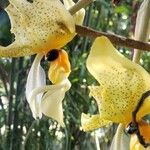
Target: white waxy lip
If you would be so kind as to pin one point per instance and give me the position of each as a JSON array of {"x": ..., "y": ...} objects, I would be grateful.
[
  {"x": 36, "y": 79},
  {"x": 42, "y": 98}
]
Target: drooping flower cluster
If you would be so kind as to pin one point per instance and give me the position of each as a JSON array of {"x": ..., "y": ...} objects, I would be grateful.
[
  {"x": 42, "y": 28},
  {"x": 47, "y": 99}
]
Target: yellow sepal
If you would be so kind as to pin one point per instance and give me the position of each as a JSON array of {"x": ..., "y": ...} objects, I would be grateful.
[
  {"x": 38, "y": 27},
  {"x": 122, "y": 83}
]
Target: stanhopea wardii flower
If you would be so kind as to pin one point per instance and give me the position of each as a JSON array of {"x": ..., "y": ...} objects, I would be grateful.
[
  {"x": 38, "y": 27},
  {"x": 122, "y": 83},
  {"x": 142, "y": 32},
  {"x": 47, "y": 99}
]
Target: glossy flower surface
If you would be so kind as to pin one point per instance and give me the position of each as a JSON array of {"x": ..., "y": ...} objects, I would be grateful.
[
  {"x": 38, "y": 27},
  {"x": 47, "y": 99},
  {"x": 122, "y": 83}
]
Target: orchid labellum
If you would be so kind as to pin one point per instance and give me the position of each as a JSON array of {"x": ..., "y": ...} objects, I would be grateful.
[{"x": 47, "y": 99}]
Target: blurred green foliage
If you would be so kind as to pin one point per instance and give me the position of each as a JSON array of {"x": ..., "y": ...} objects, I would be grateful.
[{"x": 18, "y": 129}]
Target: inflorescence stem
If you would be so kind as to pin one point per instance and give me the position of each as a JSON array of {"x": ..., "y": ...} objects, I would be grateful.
[
  {"x": 80, "y": 4},
  {"x": 115, "y": 39}
]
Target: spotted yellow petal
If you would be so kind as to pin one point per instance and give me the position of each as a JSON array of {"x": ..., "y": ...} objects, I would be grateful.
[
  {"x": 93, "y": 122},
  {"x": 122, "y": 82},
  {"x": 38, "y": 27}
]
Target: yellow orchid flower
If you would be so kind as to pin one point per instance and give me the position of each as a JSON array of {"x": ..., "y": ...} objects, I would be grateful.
[
  {"x": 41, "y": 27},
  {"x": 141, "y": 33},
  {"x": 122, "y": 83},
  {"x": 145, "y": 132},
  {"x": 47, "y": 99},
  {"x": 38, "y": 27}
]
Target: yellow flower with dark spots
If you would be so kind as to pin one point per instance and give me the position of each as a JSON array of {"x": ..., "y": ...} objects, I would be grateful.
[
  {"x": 38, "y": 27},
  {"x": 122, "y": 83}
]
